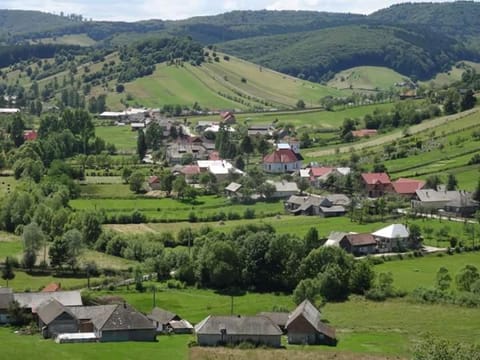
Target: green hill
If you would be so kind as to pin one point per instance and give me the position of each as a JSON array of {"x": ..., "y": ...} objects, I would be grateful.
[
  {"x": 231, "y": 83},
  {"x": 367, "y": 78}
]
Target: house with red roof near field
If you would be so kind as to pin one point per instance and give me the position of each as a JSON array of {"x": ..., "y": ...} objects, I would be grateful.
[
  {"x": 228, "y": 117},
  {"x": 376, "y": 184},
  {"x": 364, "y": 132},
  {"x": 154, "y": 182},
  {"x": 285, "y": 159},
  {"x": 190, "y": 172},
  {"x": 30, "y": 135},
  {"x": 407, "y": 187}
]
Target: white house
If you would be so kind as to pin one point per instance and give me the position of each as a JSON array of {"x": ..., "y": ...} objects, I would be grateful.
[
  {"x": 392, "y": 238},
  {"x": 284, "y": 159}
]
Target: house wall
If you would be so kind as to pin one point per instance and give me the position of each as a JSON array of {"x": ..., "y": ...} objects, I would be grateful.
[
  {"x": 216, "y": 339},
  {"x": 4, "y": 317},
  {"x": 385, "y": 245},
  {"x": 127, "y": 335},
  {"x": 283, "y": 194},
  {"x": 300, "y": 331},
  {"x": 279, "y": 168},
  {"x": 430, "y": 205},
  {"x": 63, "y": 324}
]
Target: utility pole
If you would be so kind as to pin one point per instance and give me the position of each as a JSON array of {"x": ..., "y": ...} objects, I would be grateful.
[
  {"x": 231, "y": 305},
  {"x": 154, "y": 300}
]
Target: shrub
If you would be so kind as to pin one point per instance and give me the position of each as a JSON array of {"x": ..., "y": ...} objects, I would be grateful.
[
  {"x": 249, "y": 213},
  {"x": 175, "y": 284}
]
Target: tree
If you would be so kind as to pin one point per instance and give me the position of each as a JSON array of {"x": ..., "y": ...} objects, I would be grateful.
[
  {"x": 136, "y": 181},
  {"x": 362, "y": 277},
  {"x": 91, "y": 227},
  {"x": 300, "y": 104},
  {"x": 179, "y": 186},
  {"x": 303, "y": 185},
  {"x": 16, "y": 130},
  {"x": 154, "y": 136},
  {"x": 74, "y": 245},
  {"x": 126, "y": 173},
  {"x": 91, "y": 269},
  {"x": 267, "y": 190},
  {"x": 141, "y": 145},
  {"x": 246, "y": 147},
  {"x": 452, "y": 182},
  {"x": 432, "y": 182},
  {"x": 312, "y": 240},
  {"x": 443, "y": 279},
  {"x": 476, "y": 193},
  {"x": 307, "y": 289},
  {"x": 451, "y": 104},
  {"x": 7, "y": 271},
  {"x": 466, "y": 277},
  {"x": 32, "y": 238},
  {"x": 138, "y": 277},
  {"x": 347, "y": 128},
  {"x": 468, "y": 100}
]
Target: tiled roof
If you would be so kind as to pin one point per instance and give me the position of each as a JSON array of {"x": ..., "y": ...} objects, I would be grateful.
[
  {"x": 162, "y": 316},
  {"x": 124, "y": 317},
  {"x": 282, "y": 156},
  {"x": 376, "y": 178},
  {"x": 407, "y": 186},
  {"x": 361, "y": 239},
  {"x": 321, "y": 171},
  {"x": 50, "y": 310}
]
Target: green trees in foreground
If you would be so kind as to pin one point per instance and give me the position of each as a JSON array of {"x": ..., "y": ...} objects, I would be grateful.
[{"x": 433, "y": 348}]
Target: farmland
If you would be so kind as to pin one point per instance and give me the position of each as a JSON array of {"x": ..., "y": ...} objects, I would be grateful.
[{"x": 367, "y": 78}]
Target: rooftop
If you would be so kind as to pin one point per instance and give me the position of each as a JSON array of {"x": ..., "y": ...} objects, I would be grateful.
[{"x": 238, "y": 325}]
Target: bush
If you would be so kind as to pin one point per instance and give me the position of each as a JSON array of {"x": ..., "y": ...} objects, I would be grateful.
[
  {"x": 249, "y": 213},
  {"x": 175, "y": 284},
  {"x": 192, "y": 217},
  {"x": 375, "y": 294}
]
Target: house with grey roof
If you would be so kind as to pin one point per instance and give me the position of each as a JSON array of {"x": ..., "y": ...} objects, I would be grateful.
[
  {"x": 32, "y": 300},
  {"x": 284, "y": 189},
  {"x": 222, "y": 330},
  {"x": 316, "y": 205},
  {"x": 305, "y": 327},
  {"x": 107, "y": 322},
  {"x": 278, "y": 318},
  {"x": 394, "y": 237},
  {"x": 168, "y": 322},
  {"x": 457, "y": 203}
]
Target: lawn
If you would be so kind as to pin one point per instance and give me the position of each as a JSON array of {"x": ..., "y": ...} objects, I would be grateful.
[
  {"x": 106, "y": 191},
  {"x": 175, "y": 210},
  {"x": 409, "y": 273},
  {"x": 33, "y": 346},
  {"x": 124, "y": 139},
  {"x": 10, "y": 245}
]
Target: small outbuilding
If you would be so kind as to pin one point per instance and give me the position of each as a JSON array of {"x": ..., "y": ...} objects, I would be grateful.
[
  {"x": 359, "y": 244},
  {"x": 304, "y": 327},
  {"x": 54, "y": 319}
]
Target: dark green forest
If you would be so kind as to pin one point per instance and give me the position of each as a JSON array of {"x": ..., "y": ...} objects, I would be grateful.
[{"x": 415, "y": 39}]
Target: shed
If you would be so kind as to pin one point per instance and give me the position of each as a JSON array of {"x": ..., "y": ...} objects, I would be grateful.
[
  {"x": 359, "y": 244},
  {"x": 304, "y": 326},
  {"x": 278, "y": 318},
  {"x": 54, "y": 319},
  {"x": 161, "y": 318},
  {"x": 6, "y": 298}
]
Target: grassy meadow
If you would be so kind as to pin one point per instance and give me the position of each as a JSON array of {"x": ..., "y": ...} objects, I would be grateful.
[
  {"x": 366, "y": 78},
  {"x": 124, "y": 139}
]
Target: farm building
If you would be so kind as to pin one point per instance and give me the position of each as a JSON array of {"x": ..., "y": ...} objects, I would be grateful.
[
  {"x": 458, "y": 203},
  {"x": 6, "y": 298},
  {"x": 392, "y": 238},
  {"x": 407, "y": 187},
  {"x": 166, "y": 322},
  {"x": 278, "y": 318},
  {"x": 314, "y": 205},
  {"x": 55, "y": 319},
  {"x": 284, "y": 189},
  {"x": 376, "y": 184},
  {"x": 222, "y": 330},
  {"x": 304, "y": 327},
  {"x": 359, "y": 244},
  {"x": 31, "y": 301}
]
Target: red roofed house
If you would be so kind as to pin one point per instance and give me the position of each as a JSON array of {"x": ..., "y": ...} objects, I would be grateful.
[
  {"x": 364, "y": 132},
  {"x": 228, "y": 117},
  {"x": 282, "y": 160},
  {"x": 377, "y": 184},
  {"x": 30, "y": 135},
  {"x": 214, "y": 155},
  {"x": 190, "y": 172},
  {"x": 52, "y": 287},
  {"x": 319, "y": 174},
  {"x": 407, "y": 187},
  {"x": 154, "y": 182}
]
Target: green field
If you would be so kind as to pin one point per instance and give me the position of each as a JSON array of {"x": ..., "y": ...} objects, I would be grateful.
[
  {"x": 409, "y": 273},
  {"x": 175, "y": 210},
  {"x": 33, "y": 346},
  {"x": 367, "y": 78},
  {"x": 124, "y": 139},
  {"x": 107, "y": 191},
  {"x": 234, "y": 84}
]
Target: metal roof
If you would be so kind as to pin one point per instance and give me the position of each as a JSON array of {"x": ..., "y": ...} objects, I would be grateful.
[{"x": 238, "y": 325}]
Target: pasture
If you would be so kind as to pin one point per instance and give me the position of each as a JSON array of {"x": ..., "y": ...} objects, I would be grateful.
[
  {"x": 411, "y": 273},
  {"x": 367, "y": 78},
  {"x": 124, "y": 139}
]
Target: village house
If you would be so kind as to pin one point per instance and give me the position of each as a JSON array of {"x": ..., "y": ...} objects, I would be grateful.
[
  {"x": 30, "y": 135},
  {"x": 227, "y": 117},
  {"x": 154, "y": 183},
  {"x": 324, "y": 206},
  {"x": 6, "y": 298},
  {"x": 260, "y": 130},
  {"x": 376, "y": 184},
  {"x": 392, "y": 238},
  {"x": 359, "y": 244},
  {"x": 168, "y": 322},
  {"x": 233, "y": 190},
  {"x": 106, "y": 323},
  {"x": 285, "y": 159},
  {"x": 284, "y": 189},
  {"x": 232, "y": 330},
  {"x": 334, "y": 238},
  {"x": 191, "y": 173},
  {"x": 407, "y": 187},
  {"x": 305, "y": 327},
  {"x": 219, "y": 168},
  {"x": 457, "y": 203}
]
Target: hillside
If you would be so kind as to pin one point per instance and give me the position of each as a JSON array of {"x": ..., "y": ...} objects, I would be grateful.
[
  {"x": 366, "y": 78},
  {"x": 232, "y": 83}
]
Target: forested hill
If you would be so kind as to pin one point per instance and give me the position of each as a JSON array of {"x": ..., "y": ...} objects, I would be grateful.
[
  {"x": 415, "y": 39},
  {"x": 319, "y": 54},
  {"x": 245, "y": 24},
  {"x": 458, "y": 18}
]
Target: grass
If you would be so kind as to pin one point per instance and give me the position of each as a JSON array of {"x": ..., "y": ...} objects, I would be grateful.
[
  {"x": 124, "y": 139},
  {"x": 106, "y": 191},
  {"x": 7, "y": 184},
  {"x": 28, "y": 346},
  {"x": 367, "y": 78},
  {"x": 105, "y": 261},
  {"x": 10, "y": 245},
  {"x": 424, "y": 270},
  {"x": 172, "y": 209}
]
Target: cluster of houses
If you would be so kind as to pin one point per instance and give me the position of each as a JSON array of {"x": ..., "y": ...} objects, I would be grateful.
[
  {"x": 393, "y": 238},
  {"x": 61, "y": 316}
]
